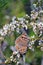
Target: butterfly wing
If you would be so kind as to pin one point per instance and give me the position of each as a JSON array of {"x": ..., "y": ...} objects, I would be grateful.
[{"x": 21, "y": 43}]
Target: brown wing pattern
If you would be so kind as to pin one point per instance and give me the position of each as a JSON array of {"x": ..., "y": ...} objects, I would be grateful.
[{"x": 21, "y": 43}]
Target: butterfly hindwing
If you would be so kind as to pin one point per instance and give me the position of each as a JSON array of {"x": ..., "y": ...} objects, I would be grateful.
[{"x": 21, "y": 43}]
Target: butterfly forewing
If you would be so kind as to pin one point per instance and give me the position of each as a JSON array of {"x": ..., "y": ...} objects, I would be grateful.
[{"x": 21, "y": 43}]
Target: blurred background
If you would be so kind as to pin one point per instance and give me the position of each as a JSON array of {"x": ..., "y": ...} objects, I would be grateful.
[{"x": 19, "y": 8}]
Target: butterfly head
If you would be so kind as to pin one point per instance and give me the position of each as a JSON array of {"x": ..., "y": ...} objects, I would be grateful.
[{"x": 24, "y": 36}]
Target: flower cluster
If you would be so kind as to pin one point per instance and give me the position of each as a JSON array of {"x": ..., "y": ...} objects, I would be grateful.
[
  {"x": 14, "y": 25},
  {"x": 38, "y": 28},
  {"x": 36, "y": 21}
]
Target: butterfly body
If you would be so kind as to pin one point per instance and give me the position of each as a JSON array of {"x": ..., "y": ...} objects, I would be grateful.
[{"x": 21, "y": 43}]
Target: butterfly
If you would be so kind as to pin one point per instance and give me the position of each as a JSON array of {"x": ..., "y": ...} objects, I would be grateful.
[{"x": 21, "y": 43}]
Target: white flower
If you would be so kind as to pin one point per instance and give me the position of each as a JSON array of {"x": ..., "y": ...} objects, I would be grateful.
[
  {"x": 40, "y": 42},
  {"x": 14, "y": 60},
  {"x": 41, "y": 11},
  {"x": 15, "y": 52},
  {"x": 18, "y": 24},
  {"x": 21, "y": 22},
  {"x": 31, "y": 14},
  {"x": 32, "y": 42},
  {"x": 6, "y": 61},
  {"x": 6, "y": 26},
  {"x": 2, "y": 33},
  {"x": 27, "y": 15},
  {"x": 12, "y": 28},
  {"x": 18, "y": 62},
  {"x": 15, "y": 22},
  {"x": 30, "y": 47},
  {"x": 11, "y": 57},
  {"x": 41, "y": 48},
  {"x": 31, "y": 23},
  {"x": 26, "y": 27},
  {"x": 34, "y": 16},
  {"x": 34, "y": 5},
  {"x": 17, "y": 29},
  {"x": 32, "y": 36},
  {"x": 5, "y": 32},
  {"x": 10, "y": 24},
  {"x": 13, "y": 18},
  {"x": 18, "y": 55},
  {"x": 34, "y": 30},
  {"x": 27, "y": 22},
  {"x": 40, "y": 33},
  {"x": 21, "y": 19}
]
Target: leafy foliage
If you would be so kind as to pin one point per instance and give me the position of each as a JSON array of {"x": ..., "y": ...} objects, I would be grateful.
[{"x": 3, "y": 4}]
